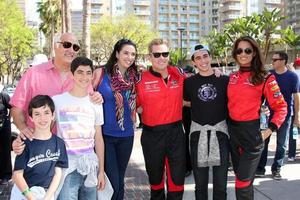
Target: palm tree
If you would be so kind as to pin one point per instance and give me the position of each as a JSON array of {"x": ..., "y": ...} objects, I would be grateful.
[
  {"x": 63, "y": 22},
  {"x": 86, "y": 33},
  {"x": 67, "y": 15},
  {"x": 50, "y": 15},
  {"x": 269, "y": 22},
  {"x": 219, "y": 44},
  {"x": 292, "y": 39},
  {"x": 261, "y": 27}
]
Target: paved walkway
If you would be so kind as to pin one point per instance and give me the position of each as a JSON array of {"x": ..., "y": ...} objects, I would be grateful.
[
  {"x": 264, "y": 188},
  {"x": 137, "y": 188}
]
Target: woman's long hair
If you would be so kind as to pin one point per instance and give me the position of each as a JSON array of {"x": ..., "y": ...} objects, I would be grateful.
[
  {"x": 258, "y": 71},
  {"x": 109, "y": 66}
]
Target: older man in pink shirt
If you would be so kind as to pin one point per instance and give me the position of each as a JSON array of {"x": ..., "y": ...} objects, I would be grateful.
[{"x": 50, "y": 78}]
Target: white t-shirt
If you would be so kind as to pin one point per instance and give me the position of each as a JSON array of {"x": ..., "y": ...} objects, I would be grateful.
[{"x": 76, "y": 119}]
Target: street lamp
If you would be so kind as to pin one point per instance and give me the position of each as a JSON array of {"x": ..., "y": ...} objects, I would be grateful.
[{"x": 180, "y": 29}]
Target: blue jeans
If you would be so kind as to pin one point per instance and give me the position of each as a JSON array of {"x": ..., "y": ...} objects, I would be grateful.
[
  {"x": 292, "y": 142},
  {"x": 281, "y": 146},
  {"x": 74, "y": 188},
  {"x": 117, "y": 154}
]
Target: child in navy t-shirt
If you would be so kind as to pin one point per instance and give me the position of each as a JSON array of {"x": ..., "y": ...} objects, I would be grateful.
[{"x": 37, "y": 171}]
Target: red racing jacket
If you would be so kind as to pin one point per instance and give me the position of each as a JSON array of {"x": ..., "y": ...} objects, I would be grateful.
[
  {"x": 160, "y": 100},
  {"x": 245, "y": 99}
]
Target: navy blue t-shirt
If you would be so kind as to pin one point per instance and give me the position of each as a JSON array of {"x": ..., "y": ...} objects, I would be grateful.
[
  {"x": 39, "y": 160},
  {"x": 110, "y": 126},
  {"x": 288, "y": 83}
]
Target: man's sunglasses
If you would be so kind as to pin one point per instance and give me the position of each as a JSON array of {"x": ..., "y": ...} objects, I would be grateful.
[
  {"x": 275, "y": 59},
  {"x": 67, "y": 45},
  {"x": 247, "y": 51},
  {"x": 164, "y": 54}
]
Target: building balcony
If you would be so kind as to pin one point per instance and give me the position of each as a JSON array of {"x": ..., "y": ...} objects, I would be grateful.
[
  {"x": 273, "y": 1},
  {"x": 142, "y": 12},
  {"x": 227, "y": 8},
  {"x": 232, "y": 16},
  {"x": 97, "y": 1},
  {"x": 229, "y": 1},
  {"x": 141, "y": 3},
  {"x": 96, "y": 11}
]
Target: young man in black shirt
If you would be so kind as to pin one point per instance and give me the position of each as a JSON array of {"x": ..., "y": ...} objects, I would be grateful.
[{"x": 209, "y": 142}]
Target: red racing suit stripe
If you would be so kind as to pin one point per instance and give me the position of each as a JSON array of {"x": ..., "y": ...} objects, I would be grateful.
[{"x": 244, "y": 98}]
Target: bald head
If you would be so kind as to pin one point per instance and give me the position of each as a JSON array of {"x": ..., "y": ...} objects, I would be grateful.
[{"x": 66, "y": 47}]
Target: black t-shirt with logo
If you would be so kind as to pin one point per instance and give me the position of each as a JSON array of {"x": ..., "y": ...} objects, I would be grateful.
[
  {"x": 208, "y": 97},
  {"x": 39, "y": 160}
]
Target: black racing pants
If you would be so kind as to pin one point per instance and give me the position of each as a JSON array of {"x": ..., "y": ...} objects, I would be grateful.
[
  {"x": 246, "y": 148},
  {"x": 201, "y": 174},
  {"x": 187, "y": 120},
  {"x": 164, "y": 152},
  {"x": 5, "y": 150}
]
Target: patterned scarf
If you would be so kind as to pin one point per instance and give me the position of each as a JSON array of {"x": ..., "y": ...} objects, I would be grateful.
[{"x": 126, "y": 85}]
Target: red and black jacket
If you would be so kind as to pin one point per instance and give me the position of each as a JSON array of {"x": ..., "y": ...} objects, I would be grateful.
[
  {"x": 244, "y": 99},
  {"x": 161, "y": 100}
]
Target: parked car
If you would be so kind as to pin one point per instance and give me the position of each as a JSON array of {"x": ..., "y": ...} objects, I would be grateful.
[{"x": 9, "y": 89}]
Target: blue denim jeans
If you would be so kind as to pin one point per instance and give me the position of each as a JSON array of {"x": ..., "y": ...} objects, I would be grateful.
[
  {"x": 281, "y": 146},
  {"x": 117, "y": 154},
  {"x": 292, "y": 142},
  {"x": 73, "y": 188}
]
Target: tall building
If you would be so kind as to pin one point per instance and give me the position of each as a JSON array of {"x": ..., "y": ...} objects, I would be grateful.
[
  {"x": 141, "y": 9},
  {"x": 292, "y": 11},
  {"x": 31, "y": 18},
  {"x": 100, "y": 8},
  {"x": 233, "y": 9},
  {"x": 23, "y": 5},
  {"x": 191, "y": 19},
  {"x": 77, "y": 22}
]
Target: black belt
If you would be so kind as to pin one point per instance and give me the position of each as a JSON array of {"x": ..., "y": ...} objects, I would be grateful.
[{"x": 162, "y": 127}]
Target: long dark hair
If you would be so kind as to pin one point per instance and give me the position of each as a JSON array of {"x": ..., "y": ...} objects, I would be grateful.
[
  {"x": 258, "y": 71},
  {"x": 109, "y": 66}
]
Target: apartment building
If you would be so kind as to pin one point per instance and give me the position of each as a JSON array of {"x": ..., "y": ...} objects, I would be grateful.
[
  {"x": 77, "y": 22},
  {"x": 233, "y": 9},
  {"x": 23, "y": 5},
  {"x": 292, "y": 11},
  {"x": 191, "y": 19},
  {"x": 140, "y": 8},
  {"x": 100, "y": 8}
]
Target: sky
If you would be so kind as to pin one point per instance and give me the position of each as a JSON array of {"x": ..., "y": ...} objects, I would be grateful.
[{"x": 76, "y": 4}]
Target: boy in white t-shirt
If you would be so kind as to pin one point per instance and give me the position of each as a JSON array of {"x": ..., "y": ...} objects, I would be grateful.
[{"x": 79, "y": 125}]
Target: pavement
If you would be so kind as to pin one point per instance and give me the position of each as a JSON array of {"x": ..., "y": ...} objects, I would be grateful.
[{"x": 137, "y": 187}]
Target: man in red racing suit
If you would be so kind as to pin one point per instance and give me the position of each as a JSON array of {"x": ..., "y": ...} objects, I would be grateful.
[{"x": 160, "y": 95}]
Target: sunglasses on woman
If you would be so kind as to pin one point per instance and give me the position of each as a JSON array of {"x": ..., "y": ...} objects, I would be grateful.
[
  {"x": 247, "y": 51},
  {"x": 67, "y": 45},
  {"x": 164, "y": 54}
]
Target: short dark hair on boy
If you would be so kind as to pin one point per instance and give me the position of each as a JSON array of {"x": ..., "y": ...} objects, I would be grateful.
[
  {"x": 40, "y": 101},
  {"x": 81, "y": 61}
]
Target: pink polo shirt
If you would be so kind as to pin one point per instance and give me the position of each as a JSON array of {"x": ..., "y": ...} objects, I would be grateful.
[{"x": 40, "y": 79}]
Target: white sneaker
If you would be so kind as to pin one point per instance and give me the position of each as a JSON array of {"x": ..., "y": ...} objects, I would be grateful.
[{"x": 291, "y": 159}]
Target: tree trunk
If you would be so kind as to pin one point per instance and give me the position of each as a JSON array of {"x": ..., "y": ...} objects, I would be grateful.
[
  {"x": 52, "y": 39},
  {"x": 63, "y": 22},
  {"x": 86, "y": 35},
  {"x": 67, "y": 15}
]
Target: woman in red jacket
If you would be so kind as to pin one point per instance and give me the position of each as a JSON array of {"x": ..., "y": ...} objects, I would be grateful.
[{"x": 246, "y": 90}]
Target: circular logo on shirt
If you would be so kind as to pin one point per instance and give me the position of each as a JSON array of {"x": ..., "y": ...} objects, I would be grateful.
[{"x": 207, "y": 92}]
